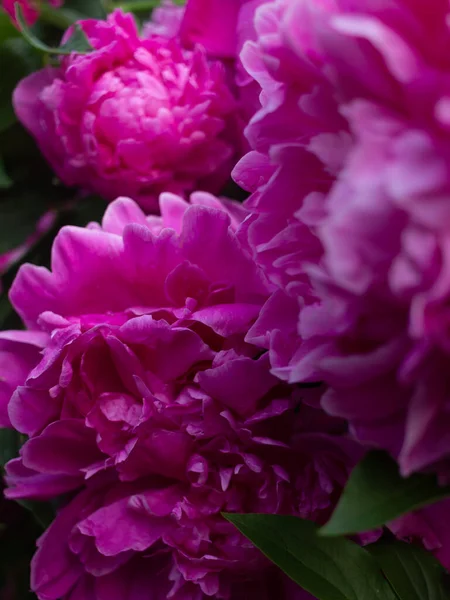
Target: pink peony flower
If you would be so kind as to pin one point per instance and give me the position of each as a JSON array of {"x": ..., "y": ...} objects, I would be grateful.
[
  {"x": 147, "y": 399},
  {"x": 30, "y": 8},
  {"x": 134, "y": 117},
  {"x": 350, "y": 179}
]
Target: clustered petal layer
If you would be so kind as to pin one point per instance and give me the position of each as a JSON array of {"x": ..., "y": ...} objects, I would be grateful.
[
  {"x": 135, "y": 384},
  {"x": 174, "y": 367},
  {"x": 135, "y": 116}
]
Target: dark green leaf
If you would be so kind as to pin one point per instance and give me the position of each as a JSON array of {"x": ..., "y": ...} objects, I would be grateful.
[
  {"x": 9, "y": 445},
  {"x": 78, "y": 41},
  {"x": 93, "y": 9},
  {"x": 7, "y": 29},
  {"x": 5, "y": 181},
  {"x": 330, "y": 569},
  {"x": 376, "y": 494},
  {"x": 61, "y": 18},
  {"x": 140, "y": 6},
  {"x": 413, "y": 573},
  {"x": 42, "y": 512},
  {"x": 137, "y": 5}
]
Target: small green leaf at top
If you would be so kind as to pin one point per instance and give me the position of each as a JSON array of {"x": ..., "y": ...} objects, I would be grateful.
[
  {"x": 329, "y": 569},
  {"x": 78, "y": 42},
  {"x": 413, "y": 573},
  {"x": 376, "y": 493}
]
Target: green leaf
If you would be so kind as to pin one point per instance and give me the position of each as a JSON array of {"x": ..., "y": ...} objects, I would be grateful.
[
  {"x": 5, "y": 181},
  {"x": 136, "y": 5},
  {"x": 376, "y": 493},
  {"x": 92, "y": 9},
  {"x": 329, "y": 569},
  {"x": 413, "y": 573},
  {"x": 61, "y": 18},
  {"x": 10, "y": 444},
  {"x": 42, "y": 512},
  {"x": 77, "y": 42},
  {"x": 7, "y": 29}
]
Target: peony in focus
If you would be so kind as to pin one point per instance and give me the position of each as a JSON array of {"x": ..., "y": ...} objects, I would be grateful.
[
  {"x": 30, "y": 8},
  {"x": 145, "y": 405},
  {"x": 134, "y": 117},
  {"x": 351, "y": 181}
]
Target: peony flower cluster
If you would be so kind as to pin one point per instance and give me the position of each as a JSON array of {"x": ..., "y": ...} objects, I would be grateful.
[
  {"x": 29, "y": 8},
  {"x": 147, "y": 409},
  {"x": 215, "y": 357},
  {"x": 134, "y": 117}
]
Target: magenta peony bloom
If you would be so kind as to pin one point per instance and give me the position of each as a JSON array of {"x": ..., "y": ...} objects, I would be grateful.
[
  {"x": 147, "y": 399},
  {"x": 30, "y": 8},
  {"x": 134, "y": 117},
  {"x": 350, "y": 178}
]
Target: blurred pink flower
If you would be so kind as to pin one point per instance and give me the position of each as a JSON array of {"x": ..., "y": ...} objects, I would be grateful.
[
  {"x": 165, "y": 21},
  {"x": 30, "y": 8},
  {"x": 135, "y": 383},
  {"x": 134, "y": 117}
]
